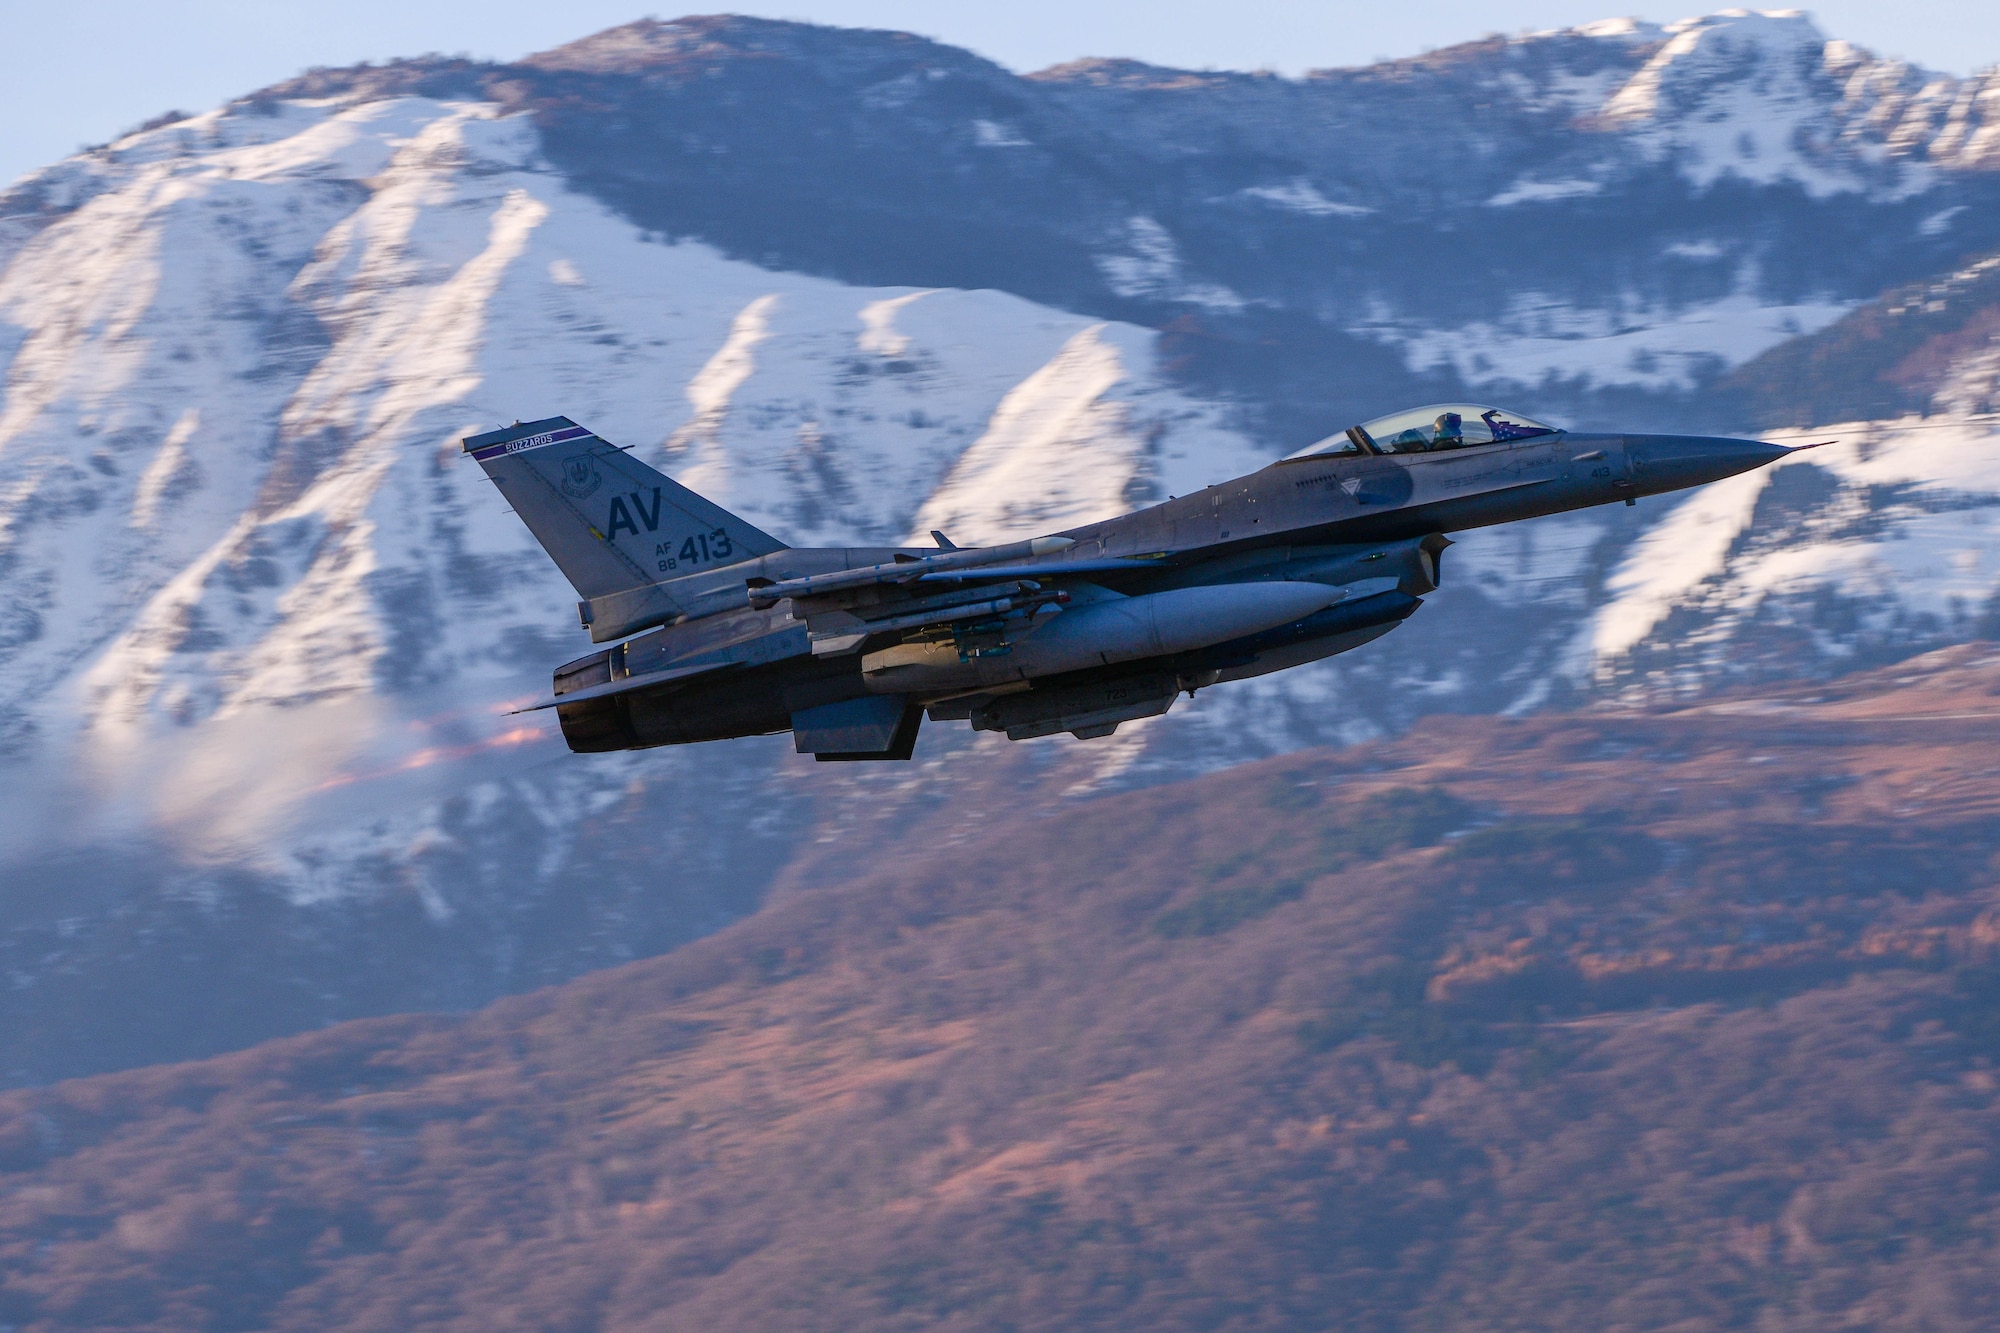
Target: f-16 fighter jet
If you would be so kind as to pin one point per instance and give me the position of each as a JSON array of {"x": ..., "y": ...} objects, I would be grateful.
[{"x": 720, "y": 630}]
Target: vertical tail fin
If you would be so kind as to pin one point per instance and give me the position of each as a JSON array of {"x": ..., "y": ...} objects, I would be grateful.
[{"x": 608, "y": 521}]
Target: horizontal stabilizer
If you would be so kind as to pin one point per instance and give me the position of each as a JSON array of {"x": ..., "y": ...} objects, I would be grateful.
[{"x": 626, "y": 686}]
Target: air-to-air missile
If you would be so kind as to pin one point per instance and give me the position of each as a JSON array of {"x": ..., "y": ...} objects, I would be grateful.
[{"x": 720, "y": 630}]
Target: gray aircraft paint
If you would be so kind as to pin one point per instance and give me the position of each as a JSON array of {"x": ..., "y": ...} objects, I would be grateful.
[{"x": 727, "y": 632}]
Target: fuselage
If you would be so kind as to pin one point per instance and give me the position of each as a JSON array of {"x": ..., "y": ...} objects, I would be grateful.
[{"x": 1307, "y": 557}]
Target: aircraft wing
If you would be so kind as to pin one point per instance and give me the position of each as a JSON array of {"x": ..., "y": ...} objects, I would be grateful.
[
  {"x": 1048, "y": 571},
  {"x": 842, "y": 609},
  {"x": 959, "y": 564},
  {"x": 837, "y": 624}
]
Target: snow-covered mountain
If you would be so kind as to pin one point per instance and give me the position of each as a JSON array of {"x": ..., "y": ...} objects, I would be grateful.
[
  {"x": 260, "y": 624},
  {"x": 1608, "y": 215}
]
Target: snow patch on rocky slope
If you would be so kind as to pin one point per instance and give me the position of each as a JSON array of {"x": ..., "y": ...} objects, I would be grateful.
[
  {"x": 1539, "y": 340},
  {"x": 1887, "y": 540}
]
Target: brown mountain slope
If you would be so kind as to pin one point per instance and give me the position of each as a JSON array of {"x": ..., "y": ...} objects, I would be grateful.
[{"x": 1616, "y": 1021}]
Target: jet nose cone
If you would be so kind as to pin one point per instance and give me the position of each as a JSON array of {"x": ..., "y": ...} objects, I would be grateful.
[{"x": 1670, "y": 462}]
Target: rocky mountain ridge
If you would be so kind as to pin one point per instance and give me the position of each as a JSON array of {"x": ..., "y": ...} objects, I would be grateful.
[{"x": 1608, "y": 215}]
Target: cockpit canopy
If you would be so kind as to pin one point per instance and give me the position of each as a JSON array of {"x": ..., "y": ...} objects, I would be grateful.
[{"x": 1428, "y": 429}]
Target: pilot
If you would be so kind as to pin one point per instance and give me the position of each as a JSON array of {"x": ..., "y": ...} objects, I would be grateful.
[{"x": 1449, "y": 432}]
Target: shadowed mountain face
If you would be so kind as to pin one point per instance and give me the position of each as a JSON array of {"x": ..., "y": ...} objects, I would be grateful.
[
  {"x": 1613, "y": 1020},
  {"x": 1932, "y": 346}
]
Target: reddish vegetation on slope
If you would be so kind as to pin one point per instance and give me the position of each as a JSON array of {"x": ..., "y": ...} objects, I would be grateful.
[{"x": 1614, "y": 1020}]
